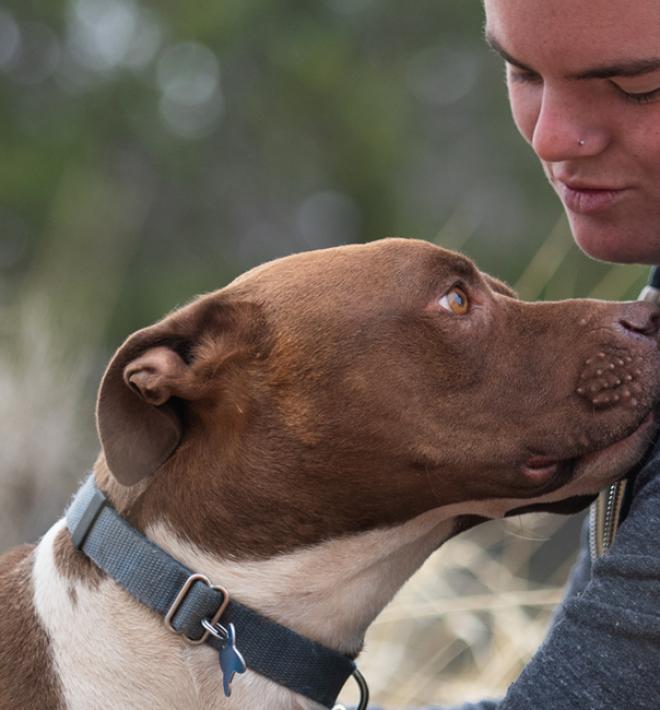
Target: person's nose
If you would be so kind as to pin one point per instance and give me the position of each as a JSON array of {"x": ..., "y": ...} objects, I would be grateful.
[{"x": 567, "y": 127}]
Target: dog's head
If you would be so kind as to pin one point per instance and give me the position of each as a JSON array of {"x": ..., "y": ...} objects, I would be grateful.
[{"x": 340, "y": 390}]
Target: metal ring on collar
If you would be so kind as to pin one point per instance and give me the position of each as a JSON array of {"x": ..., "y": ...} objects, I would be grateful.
[
  {"x": 216, "y": 630},
  {"x": 364, "y": 692}
]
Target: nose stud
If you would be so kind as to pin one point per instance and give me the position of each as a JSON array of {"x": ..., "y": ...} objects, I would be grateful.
[{"x": 581, "y": 142}]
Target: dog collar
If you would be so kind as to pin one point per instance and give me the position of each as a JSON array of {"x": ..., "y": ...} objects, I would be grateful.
[{"x": 202, "y": 612}]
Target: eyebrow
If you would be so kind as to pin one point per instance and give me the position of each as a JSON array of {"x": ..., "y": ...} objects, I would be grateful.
[
  {"x": 462, "y": 268},
  {"x": 623, "y": 68}
]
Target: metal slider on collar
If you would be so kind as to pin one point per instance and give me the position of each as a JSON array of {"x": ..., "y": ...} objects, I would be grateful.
[
  {"x": 178, "y": 601},
  {"x": 231, "y": 659}
]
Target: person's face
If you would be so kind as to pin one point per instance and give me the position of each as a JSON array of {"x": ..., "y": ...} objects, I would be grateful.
[{"x": 584, "y": 86}]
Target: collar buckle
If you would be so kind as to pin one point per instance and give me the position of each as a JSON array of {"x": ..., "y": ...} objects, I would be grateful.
[{"x": 178, "y": 601}]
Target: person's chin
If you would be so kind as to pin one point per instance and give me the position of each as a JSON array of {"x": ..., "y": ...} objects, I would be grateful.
[{"x": 606, "y": 239}]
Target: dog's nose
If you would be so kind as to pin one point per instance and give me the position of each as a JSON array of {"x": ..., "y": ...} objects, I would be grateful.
[{"x": 641, "y": 318}]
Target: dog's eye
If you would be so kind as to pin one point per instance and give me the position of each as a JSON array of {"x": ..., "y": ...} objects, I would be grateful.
[{"x": 455, "y": 301}]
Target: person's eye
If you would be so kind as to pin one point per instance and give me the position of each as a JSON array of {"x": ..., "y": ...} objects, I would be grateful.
[
  {"x": 646, "y": 97},
  {"x": 455, "y": 301},
  {"x": 638, "y": 97},
  {"x": 515, "y": 74}
]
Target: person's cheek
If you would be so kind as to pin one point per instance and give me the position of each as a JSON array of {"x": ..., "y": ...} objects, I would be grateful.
[{"x": 525, "y": 103}]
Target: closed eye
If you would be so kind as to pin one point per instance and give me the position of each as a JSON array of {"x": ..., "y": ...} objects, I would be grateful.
[
  {"x": 523, "y": 76},
  {"x": 641, "y": 97}
]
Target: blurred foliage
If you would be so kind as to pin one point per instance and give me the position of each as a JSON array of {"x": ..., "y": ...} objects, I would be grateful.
[
  {"x": 189, "y": 142},
  {"x": 154, "y": 151}
]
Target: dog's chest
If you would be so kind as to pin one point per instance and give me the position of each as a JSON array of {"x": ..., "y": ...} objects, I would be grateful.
[
  {"x": 105, "y": 648},
  {"x": 109, "y": 649},
  {"x": 108, "y": 652}
]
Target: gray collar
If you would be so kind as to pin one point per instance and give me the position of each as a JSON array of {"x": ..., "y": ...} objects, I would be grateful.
[{"x": 202, "y": 612}]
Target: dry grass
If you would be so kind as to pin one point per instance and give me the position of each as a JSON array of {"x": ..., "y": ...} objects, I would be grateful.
[{"x": 468, "y": 621}]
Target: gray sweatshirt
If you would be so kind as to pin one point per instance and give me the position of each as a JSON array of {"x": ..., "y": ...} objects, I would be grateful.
[{"x": 603, "y": 650}]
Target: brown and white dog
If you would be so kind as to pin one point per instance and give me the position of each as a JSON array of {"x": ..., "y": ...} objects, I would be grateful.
[{"x": 306, "y": 437}]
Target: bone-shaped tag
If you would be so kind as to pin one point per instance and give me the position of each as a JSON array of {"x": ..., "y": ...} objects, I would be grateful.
[{"x": 231, "y": 660}]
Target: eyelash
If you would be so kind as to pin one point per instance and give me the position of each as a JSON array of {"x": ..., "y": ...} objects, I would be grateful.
[
  {"x": 524, "y": 77},
  {"x": 647, "y": 97}
]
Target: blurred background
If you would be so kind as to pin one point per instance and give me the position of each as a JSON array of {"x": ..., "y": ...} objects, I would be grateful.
[{"x": 150, "y": 152}]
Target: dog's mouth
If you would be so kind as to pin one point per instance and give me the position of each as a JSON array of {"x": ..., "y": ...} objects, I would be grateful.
[
  {"x": 604, "y": 465},
  {"x": 541, "y": 468},
  {"x": 544, "y": 470},
  {"x": 642, "y": 431}
]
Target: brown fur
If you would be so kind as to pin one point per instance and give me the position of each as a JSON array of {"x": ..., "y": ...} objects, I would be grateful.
[
  {"x": 73, "y": 565},
  {"x": 328, "y": 394},
  {"x": 27, "y": 678}
]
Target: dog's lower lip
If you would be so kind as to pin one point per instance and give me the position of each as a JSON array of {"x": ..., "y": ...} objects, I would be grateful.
[
  {"x": 646, "y": 423},
  {"x": 540, "y": 468}
]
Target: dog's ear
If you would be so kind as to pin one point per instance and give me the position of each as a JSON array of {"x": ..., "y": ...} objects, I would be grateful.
[
  {"x": 500, "y": 287},
  {"x": 151, "y": 377}
]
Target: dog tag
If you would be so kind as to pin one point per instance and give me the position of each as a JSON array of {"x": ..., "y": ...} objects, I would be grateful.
[{"x": 231, "y": 660}]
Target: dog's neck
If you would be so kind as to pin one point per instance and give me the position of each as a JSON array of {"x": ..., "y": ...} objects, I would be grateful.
[{"x": 329, "y": 592}]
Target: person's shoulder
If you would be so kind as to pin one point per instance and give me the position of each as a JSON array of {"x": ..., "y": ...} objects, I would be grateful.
[{"x": 649, "y": 472}]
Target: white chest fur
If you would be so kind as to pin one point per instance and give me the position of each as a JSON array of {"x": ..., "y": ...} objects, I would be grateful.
[{"x": 108, "y": 650}]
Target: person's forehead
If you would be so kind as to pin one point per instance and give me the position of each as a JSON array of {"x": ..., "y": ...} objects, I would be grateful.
[{"x": 574, "y": 36}]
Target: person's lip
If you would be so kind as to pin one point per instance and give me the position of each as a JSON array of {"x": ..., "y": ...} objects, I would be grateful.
[{"x": 585, "y": 198}]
